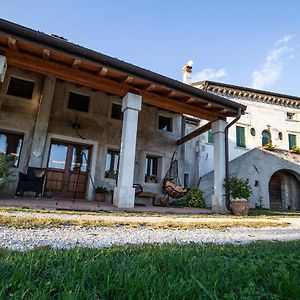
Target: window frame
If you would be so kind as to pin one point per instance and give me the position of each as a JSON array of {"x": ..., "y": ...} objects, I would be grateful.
[
  {"x": 240, "y": 132},
  {"x": 148, "y": 172},
  {"x": 21, "y": 136},
  {"x": 113, "y": 153},
  {"x": 111, "y": 111},
  {"x": 290, "y": 135},
  {"x": 171, "y": 123},
  {"x": 28, "y": 79},
  {"x": 76, "y": 92}
]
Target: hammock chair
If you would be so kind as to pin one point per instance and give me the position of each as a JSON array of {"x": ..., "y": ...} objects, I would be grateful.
[{"x": 171, "y": 183}]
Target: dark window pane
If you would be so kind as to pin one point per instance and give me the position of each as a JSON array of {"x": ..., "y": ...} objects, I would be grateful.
[
  {"x": 112, "y": 164},
  {"x": 292, "y": 141},
  {"x": 151, "y": 169},
  {"x": 80, "y": 158},
  {"x": 11, "y": 145},
  {"x": 79, "y": 102},
  {"x": 210, "y": 137},
  {"x": 20, "y": 88},
  {"x": 165, "y": 123},
  {"x": 116, "y": 112},
  {"x": 58, "y": 154},
  {"x": 240, "y": 136}
]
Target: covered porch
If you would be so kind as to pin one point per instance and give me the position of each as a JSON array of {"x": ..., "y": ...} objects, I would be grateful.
[{"x": 58, "y": 59}]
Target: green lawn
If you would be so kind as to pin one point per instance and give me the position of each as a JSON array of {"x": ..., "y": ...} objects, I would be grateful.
[{"x": 255, "y": 271}]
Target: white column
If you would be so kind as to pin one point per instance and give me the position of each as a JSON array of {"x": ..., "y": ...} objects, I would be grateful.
[
  {"x": 124, "y": 193},
  {"x": 218, "y": 198},
  {"x": 42, "y": 121}
]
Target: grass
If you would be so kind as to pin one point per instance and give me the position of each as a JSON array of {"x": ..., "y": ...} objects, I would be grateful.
[
  {"x": 254, "y": 271},
  {"x": 35, "y": 222}
]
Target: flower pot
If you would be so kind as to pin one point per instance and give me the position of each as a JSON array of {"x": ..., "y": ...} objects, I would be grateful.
[
  {"x": 100, "y": 197},
  {"x": 164, "y": 201},
  {"x": 240, "y": 207}
]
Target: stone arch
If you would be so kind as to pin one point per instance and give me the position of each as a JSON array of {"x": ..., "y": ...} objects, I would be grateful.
[{"x": 284, "y": 190}]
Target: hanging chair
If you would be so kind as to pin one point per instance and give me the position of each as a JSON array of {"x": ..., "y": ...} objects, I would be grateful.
[{"x": 171, "y": 183}]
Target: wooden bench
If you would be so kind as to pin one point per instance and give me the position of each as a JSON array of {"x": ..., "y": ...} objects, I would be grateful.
[{"x": 148, "y": 195}]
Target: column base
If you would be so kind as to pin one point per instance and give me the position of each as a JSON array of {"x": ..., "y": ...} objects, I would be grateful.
[
  {"x": 124, "y": 197},
  {"x": 218, "y": 203}
]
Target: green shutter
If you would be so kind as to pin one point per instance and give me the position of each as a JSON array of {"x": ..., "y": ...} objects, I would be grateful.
[
  {"x": 292, "y": 141},
  {"x": 210, "y": 137},
  {"x": 240, "y": 137}
]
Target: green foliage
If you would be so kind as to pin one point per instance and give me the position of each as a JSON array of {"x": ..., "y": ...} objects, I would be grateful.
[
  {"x": 101, "y": 190},
  {"x": 255, "y": 271},
  {"x": 5, "y": 173},
  {"x": 194, "y": 198},
  {"x": 238, "y": 187},
  {"x": 270, "y": 147},
  {"x": 296, "y": 149}
]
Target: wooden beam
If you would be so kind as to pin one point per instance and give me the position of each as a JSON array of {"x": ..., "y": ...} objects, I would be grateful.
[
  {"x": 101, "y": 83},
  {"x": 46, "y": 54},
  {"x": 178, "y": 107},
  {"x": 194, "y": 133},
  {"x": 12, "y": 43},
  {"x": 103, "y": 71},
  {"x": 128, "y": 80},
  {"x": 76, "y": 63},
  {"x": 39, "y": 65}
]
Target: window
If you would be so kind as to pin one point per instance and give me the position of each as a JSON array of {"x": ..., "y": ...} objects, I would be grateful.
[
  {"x": 210, "y": 137},
  {"x": 164, "y": 123},
  {"x": 252, "y": 131},
  {"x": 116, "y": 111},
  {"x": 240, "y": 137},
  {"x": 266, "y": 137},
  {"x": 11, "y": 145},
  {"x": 80, "y": 158},
  {"x": 292, "y": 141},
  {"x": 112, "y": 164},
  {"x": 280, "y": 136},
  {"x": 20, "y": 88},
  {"x": 58, "y": 155},
  {"x": 290, "y": 116},
  {"x": 151, "y": 169},
  {"x": 79, "y": 102}
]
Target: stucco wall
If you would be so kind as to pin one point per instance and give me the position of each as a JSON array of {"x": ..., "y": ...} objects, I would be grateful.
[{"x": 97, "y": 127}]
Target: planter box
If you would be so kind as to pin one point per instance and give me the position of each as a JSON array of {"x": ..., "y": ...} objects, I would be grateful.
[{"x": 100, "y": 197}]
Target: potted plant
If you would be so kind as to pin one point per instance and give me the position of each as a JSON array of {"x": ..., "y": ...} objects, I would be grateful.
[
  {"x": 269, "y": 147},
  {"x": 239, "y": 191},
  {"x": 151, "y": 178},
  {"x": 100, "y": 192}
]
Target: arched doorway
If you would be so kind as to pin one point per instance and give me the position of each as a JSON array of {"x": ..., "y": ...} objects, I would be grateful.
[
  {"x": 266, "y": 137},
  {"x": 284, "y": 190}
]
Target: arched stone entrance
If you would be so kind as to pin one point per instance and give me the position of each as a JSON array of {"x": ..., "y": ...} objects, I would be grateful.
[{"x": 284, "y": 190}]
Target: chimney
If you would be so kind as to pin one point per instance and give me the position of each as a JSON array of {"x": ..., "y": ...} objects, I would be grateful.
[{"x": 187, "y": 71}]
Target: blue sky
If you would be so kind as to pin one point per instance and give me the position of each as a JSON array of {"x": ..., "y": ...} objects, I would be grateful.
[{"x": 247, "y": 42}]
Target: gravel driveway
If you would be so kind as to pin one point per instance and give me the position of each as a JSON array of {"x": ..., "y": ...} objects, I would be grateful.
[{"x": 98, "y": 237}]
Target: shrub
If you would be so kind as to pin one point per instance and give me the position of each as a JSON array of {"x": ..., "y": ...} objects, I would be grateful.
[
  {"x": 194, "y": 198},
  {"x": 239, "y": 188},
  {"x": 5, "y": 173},
  {"x": 101, "y": 190},
  {"x": 296, "y": 149}
]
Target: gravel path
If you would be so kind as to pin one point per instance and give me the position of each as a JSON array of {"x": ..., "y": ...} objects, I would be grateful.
[{"x": 74, "y": 236}]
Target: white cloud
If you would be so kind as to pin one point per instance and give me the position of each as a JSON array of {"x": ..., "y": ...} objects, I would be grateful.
[
  {"x": 210, "y": 74},
  {"x": 271, "y": 70}
]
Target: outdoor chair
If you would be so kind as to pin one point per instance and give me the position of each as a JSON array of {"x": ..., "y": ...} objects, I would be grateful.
[{"x": 33, "y": 181}]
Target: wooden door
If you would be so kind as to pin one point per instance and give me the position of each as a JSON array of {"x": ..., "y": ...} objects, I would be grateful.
[
  {"x": 275, "y": 192},
  {"x": 67, "y": 172}
]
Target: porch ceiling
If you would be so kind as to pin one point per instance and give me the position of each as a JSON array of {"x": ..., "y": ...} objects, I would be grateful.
[{"x": 38, "y": 52}]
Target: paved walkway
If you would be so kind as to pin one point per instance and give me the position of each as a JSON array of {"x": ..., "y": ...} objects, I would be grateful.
[{"x": 84, "y": 205}]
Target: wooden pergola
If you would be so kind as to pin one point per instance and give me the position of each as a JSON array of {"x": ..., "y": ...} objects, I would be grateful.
[{"x": 53, "y": 56}]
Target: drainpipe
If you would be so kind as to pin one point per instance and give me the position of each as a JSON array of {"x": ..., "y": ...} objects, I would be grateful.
[{"x": 227, "y": 194}]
